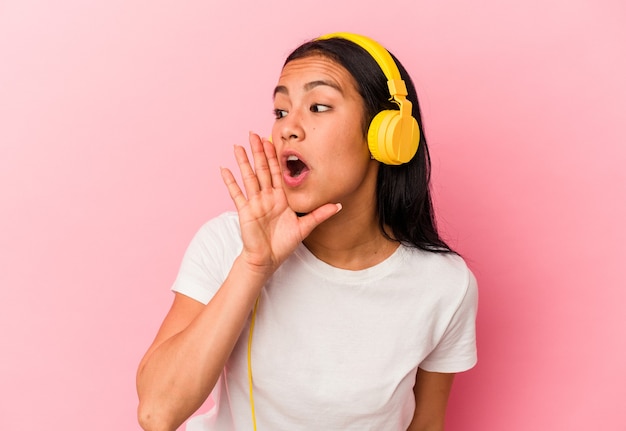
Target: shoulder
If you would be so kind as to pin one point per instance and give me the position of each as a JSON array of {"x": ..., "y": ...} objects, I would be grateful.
[
  {"x": 209, "y": 257},
  {"x": 451, "y": 295},
  {"x": 443, "y": 280},
  {"x": 218, "y": 240},
  {"x": 225, "y": 224},
  {"x": 219, "y": 233},
  {"x": 446, "y": 269}
]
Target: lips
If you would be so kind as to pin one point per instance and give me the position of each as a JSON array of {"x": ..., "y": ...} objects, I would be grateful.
[{"x": 295, "y": 170}]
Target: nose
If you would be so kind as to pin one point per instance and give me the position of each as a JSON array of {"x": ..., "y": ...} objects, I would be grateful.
[{"x": 290, "y": 127}]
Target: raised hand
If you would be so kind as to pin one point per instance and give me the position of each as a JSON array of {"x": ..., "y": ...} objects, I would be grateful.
[{"x": 270, "y": 230}]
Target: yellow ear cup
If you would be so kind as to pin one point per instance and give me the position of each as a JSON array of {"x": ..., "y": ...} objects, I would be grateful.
[{"x": 392, "y": 138}]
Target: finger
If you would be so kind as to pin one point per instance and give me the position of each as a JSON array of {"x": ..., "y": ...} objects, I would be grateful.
[
  {"x": 250, "y": 181},
  {"x": 274, "y": 165},
  {"x": 233, "y": 188},
  {"x": 317, "y": 217},
  {"x": 261, "y": 166}
]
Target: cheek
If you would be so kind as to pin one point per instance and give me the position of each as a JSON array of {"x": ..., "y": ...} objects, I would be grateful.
[
  {"x": 358, "y": 147},
  {"x": 343, "y": 143},
  {"x": 351, "y": 163}
]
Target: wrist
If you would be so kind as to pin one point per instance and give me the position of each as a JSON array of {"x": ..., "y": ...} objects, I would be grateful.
[
  {"x": 251, "y": 274},
  {"x": 253, "y": 268}
]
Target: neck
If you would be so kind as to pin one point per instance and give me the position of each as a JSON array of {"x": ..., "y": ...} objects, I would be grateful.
[{"x": 350, "y": 240}]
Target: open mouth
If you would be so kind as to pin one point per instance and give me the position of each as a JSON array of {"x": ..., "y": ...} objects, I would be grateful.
[{"x": 295, "y": 166}]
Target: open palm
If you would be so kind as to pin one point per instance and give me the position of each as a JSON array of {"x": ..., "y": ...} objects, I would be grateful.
[{"x": 270, "y": 230}]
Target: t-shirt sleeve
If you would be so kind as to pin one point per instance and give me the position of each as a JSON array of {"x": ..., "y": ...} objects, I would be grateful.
[
  {"x": 456, "y": 350},
  {"x": 208, "y": 258}
]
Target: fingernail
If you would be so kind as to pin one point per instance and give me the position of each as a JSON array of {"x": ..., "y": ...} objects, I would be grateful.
[{"x": 339, "y": 206}]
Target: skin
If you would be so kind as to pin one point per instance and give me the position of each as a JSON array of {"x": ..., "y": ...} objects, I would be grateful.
[{"x": 319, "y": 119}]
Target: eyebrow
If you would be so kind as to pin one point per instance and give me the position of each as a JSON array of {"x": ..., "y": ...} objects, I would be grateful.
[{"x": 308, "y": 87}]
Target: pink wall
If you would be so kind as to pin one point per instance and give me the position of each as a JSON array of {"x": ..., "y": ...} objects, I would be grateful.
[{"x": 114, "y": 118}]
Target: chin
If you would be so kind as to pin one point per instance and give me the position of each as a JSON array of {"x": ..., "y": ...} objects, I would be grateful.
[
  {"x": 301, "y": 208},
  {"x": 304, "y": 201}
]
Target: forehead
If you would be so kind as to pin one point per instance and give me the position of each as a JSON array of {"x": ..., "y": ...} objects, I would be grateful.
[{"x": 300, "y": 73}]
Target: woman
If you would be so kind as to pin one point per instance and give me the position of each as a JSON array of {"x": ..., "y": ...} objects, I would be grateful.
[{"x": 364, "y": 313}]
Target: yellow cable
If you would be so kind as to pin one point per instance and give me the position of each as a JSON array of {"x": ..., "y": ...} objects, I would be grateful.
[{"x": 256, "y": 304}]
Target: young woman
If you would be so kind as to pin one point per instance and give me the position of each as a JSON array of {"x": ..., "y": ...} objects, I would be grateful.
[{"x": 364, "y": 313}]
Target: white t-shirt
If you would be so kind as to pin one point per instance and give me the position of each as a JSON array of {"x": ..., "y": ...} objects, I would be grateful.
[{"x": 335, "y": 349}]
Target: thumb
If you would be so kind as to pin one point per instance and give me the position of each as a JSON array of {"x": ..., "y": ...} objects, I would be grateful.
[{"x": 317, "y": 217}]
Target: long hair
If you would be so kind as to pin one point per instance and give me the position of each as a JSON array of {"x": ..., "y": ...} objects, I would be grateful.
[{"x": 403, "y": 197}]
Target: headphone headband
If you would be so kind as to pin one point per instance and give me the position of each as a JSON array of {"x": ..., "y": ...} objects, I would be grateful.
[
  {"x": 393, "y": 137},
  {"x": 376, "y": 50}
]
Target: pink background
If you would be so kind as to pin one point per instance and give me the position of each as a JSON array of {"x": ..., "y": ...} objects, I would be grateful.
[{"x": 115, "y": 116}]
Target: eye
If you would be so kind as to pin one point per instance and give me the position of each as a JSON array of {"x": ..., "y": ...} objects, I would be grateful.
[
  {"x": 319, "y": 108},
  {"x": 280, "y": 113}
]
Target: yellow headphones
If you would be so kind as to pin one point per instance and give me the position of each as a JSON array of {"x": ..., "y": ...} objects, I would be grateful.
[{"x": 393, "y": 135}]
